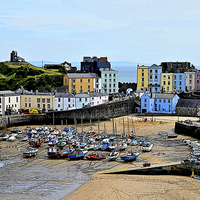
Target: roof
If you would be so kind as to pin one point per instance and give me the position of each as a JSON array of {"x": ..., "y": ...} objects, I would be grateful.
[
  {"x": 97, "y": 94},
  {"x": 161, "y": 95},
  {"x": 67, "y": 95},
  {"x": 192, "y": 103},
  {"x": 82, "y": 75},
  {"x": 82, "y": 96}
]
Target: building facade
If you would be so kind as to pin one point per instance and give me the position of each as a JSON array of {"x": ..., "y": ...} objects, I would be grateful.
[
  {"x": 64, "y": 101},
  {"x": 154, "y": 78},
  {"x": 38, "y": 100},
  {"x": 142, "y": 77},
  {"x": 197, "y": 81},
  {"x": 159, "y": 103},
  {"x": 166, "y": 83},
  {"x": 79, "y": 83},
  {"x": 190, "y": 80},
  {"x": 82, "y": 100},
  {"x": 98, "y": 98},
  {"x": 9, "y": 102},
  {"x": 178, "y": 82}
]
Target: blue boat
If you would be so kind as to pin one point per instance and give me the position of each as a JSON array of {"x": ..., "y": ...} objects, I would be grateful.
[
  {"x": 105, "y": 145},
  {"x": 79, "y": 154},
  {"x": 130, "y": 156}
]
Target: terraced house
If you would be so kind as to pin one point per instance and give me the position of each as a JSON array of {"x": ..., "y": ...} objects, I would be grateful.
[
  {"x": 79, "y": 83},
  {"x": 142, "y": 77},
  {"x": 166, "y": 82}
]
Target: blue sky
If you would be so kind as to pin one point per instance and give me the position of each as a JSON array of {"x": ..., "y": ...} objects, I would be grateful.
[{"x": 141, "y": 31}]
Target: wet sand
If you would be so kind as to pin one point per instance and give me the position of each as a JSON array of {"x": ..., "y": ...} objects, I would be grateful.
[{"x": 43, "y": 178}]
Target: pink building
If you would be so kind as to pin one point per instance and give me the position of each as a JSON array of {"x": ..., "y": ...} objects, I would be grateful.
[{"x": 197, "y": 81}]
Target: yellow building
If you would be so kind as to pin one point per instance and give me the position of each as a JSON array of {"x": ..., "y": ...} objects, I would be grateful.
[
  {"x": 80, "y": 82},
  {"x": 41, "y": 101},
  {"x": 166, "y": 82},
  {"x": 142, "y": 77}
]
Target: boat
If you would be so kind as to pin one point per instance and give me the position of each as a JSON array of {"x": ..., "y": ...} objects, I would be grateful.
[
  {"x": 35, "y": 142},
  {"x": 130, "y": 156},
  {"x": 172, "y": 136},
  {"x": 30, "y": 152},
  {"x": 12, "y": 138},
  {"x": 96, "y": 156},
  {"x": 55, "y": 152},
  {"x": 79, "y": 154},
  {"x": 196, "y": 177},
  {"x": 146, "y": 146},
  {"x": 112, "y": 146},
  {"x": 134, "y": 142},
  {"x": 105, "y": 144},
  {"x": 142, "y": 140},
  {"x": 122, "y": 146},
  {"x": 113, "y": 155}
]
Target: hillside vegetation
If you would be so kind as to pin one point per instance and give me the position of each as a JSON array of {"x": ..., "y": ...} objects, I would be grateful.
[{"x": 30, "y": 77}]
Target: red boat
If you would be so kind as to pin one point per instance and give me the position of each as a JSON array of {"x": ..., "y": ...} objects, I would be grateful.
[
  {"x": 35, "y": 142},
  {"x": 95, "y": 156}
]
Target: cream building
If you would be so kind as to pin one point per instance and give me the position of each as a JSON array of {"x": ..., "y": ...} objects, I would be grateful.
[
  {"x": 142, "y": 77},
  {"x": 41, "y": 101}
]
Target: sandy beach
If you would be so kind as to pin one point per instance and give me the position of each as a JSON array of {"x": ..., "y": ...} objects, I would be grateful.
[
  {"x": 43, "y": 178},
  {"x": 115, "y": 186}
]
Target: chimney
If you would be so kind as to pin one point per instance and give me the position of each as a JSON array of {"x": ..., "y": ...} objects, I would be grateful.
[{"x": 36, "y": 91}]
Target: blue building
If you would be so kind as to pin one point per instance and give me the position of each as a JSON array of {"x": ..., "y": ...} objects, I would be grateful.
[
  {"x": 154, "y": 78},
  {"x": 159, "y": 103},
  {"x": 178, "y": 82},
  {"x": 82, "y": 100}
]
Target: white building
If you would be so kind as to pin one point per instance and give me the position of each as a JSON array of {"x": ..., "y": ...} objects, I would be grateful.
[
  {"x": 82, "y": 100},
  {"x": 9, "y": 102},
  {"x": 64, "y": 101},
  {"x": 98, "y": 98}
]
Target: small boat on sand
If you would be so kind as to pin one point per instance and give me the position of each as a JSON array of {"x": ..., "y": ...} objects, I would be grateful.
[
  {"x": 30, "y": 152},
  {"x": 196, "y": 177},
  {"x": 79, "y": 154},
  {"x": 113, "y": 156},
  {"x": 130, "y": 156},
  {"x": 96, "y": 156},
  {"x": 172, "y": 136}
]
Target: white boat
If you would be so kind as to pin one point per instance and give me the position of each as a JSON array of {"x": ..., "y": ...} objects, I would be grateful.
[
  {"x": 30, "y": 152},
  {"x": 113, "y": 155},
  {"x": 122, "y": 146},
  {"x": 12, "y": 138},
  {"x": 146, "y": 146},
  {"x": 112, "y": 146}
]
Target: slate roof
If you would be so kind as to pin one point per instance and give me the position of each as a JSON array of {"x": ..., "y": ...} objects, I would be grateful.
[
  {"x": 97, "y": 94},
  {"x": 82, "y": 96},
  {"x": 192, "y": 103},
  {"x": 82, "y": 75},
  {"x": 66, "y": 95},
  {"x": 161, "y": 95}
]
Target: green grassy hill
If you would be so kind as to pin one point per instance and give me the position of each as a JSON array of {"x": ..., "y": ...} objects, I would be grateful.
[{"x": 12, "y": 76}]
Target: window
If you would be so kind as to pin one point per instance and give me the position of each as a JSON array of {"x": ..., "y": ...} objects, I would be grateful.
[
  {"x": 38, "y": 105},
  {"x": 145, "y": 100},
  {"x": 73, "y": 87},
  {"x": 105, "y": 75},
  {"x": 9, "y": 100},
  {"x": 145, "y": 105},
  {"x": 114, "y": 75},
  {"x": 110, "y": 75},
  {"x": 38, "y": 100},
  {"x": 29, "y": 99},
  {"x": 164, "y": 77},
  {"x": 58, "y": 99},
  {"x": 179, "y": 83},
  {"x": 0, "y": 100},
  {"x": 142, "y": 79},
  {"x": 15, "y": 105},
  {"x": 58, "y": 105},
  {"x": 109, "y": 90},
  {"x": 169, "y": 107},
  {"x": 114, "y": 80},
  {"x": 150, "y": 77},
  {"x": 43, "y": 106},
  {"x": 68, "y": 99},
  {"x": 25, "y": 99},
  {"x": 156, "y": 89},
  {"x": 109, "y": 80},
  {"x": 174, "y": 82},
  {"x": 190, "y": 81},
  {"x": 197, "y": 75},
  {"x": 167, "y": 88},
  {"x": 88, "y": 87},
  {"x": 48, "y": 105},
  {"x": 142, "y": 74},
  {"x": 109, "y": 85},
  {"x": 48, "y": 100},
  {"x": 43, "y": 100},
  {"x": 29, "y": 105},
  {"x": 73, "y": 80},
  {"x": 197, "y": 81},
  {"x": 142, "y": 70},
  {"x": 150, "y": 70},
  {"x": 25, "y": 104},
  {"x": 168, "y": 100},
  {"x": 168, "y": 82},
  {"x": 85, "y": 99},
  {"x": 159, "y": 101},
  {"x": 156, "y": 71},
  {"x": 168, "y": 76},
  {"x": 163, "y": 82},
  {"x": 175, "y": 77},
  {"x": 190, "y": 87},
  {"x": 142, "y": 84},
  {"x": 197, "y": 87},
  {"x": 105, "y": 80},
  {"x": 88, "y": 80},
  {"x": 180, "y": 77},
  {"x": 164, "y": 101},
  {"x": 113, "y": 85},
  {"x": 81, "y": 80},
  {"x": 156, "y": 77},
  {"x": 80, "y": 99},
  {"x": 190, "y": 75},
  {"x": 16, "y": 99}
]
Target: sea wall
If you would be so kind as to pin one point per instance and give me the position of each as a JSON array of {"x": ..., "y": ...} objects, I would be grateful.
[
  {"x": 101, "y": 112},
  {"x": 192, "y": 130}
]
